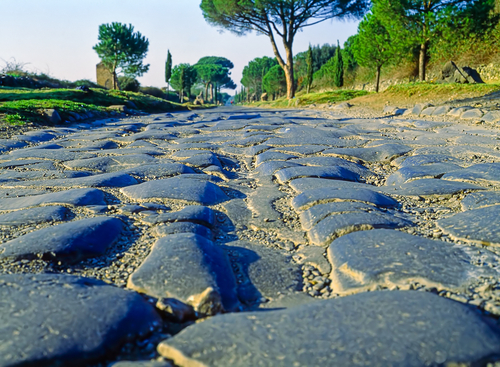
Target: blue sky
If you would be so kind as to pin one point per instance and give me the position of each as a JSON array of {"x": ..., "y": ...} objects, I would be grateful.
[{"x": 56, "y": 36}]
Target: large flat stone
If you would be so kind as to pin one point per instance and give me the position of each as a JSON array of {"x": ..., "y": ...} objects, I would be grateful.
[
  {"x": 113, "y": 179},
  {"x": 263, "y": 274},
  {"x": 308, "y": 183},
  {"x": 484, "y": 172},
  {"x": 480, "y": 199},
  {"x": 61, "y": 320},
  {"x": 380, "y": 153},
  {"x": 418, "y": 160},
  {"x": 362, "y": 171},
  {"x": 477, "y": 225},
  {"x": 433, "y": 170},
  {"x": 320, "y": 196},
  {"x": 111, "y": 164},
  {"x": 183, "y": 227},
  {"x": 69, "y": 242},
  {"x": 430, "y": 186},
  {"x": 339, "y": 225},
  {"x": 267, "y": 169},
  {"x": 77, "y": 197},
  {"x": 38, "y": 215},
  {"x": 312, "y": 216},
  {"x": 338, "y": 173},
  {"x": 186, "y": 189},
  {"x": 365, "y": 260},
  {"x": 190, "y": 268},
  {"x": 161, "y": 170},
  {"x": 410, "y": 329},
  {"x": 191, "y": 213}
]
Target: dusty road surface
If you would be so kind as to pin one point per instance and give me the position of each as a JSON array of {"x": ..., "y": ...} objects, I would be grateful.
[{"x": 251, "y": 237}]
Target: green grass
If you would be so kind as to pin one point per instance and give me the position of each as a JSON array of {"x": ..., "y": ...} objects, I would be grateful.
[
  {"x": 304, "y": 99},
  {"x": 424, "y": 88},
  {"x": 18, "y": 105}
]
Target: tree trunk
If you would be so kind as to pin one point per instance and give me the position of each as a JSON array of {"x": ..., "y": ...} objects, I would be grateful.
[
  {"x": 377, "y": 81},
  {"x": 422, "y": 60},
  {"x": 290, "y": 84}
]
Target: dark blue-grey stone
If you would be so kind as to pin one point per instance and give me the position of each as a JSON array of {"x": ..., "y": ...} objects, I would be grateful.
[
  {"x": 477, "y": 225},
  {"x": 301, "y": 149},
  {"x": 484, "y": 172},
  {"x": 77, "y": 197},
  {"x": 187, "y": 189},
  {"x": 183, "y": 227},
  {"x": 336, "y": 173},
  {"x": 257, "y": 149},
  {"x": 272, "y": 156},
  {"x": 113, "y": 179},
  {"x": 187, "y": 266},
  {"x": 162, "y": 170},
  {"x": 53, "y": 154},
  {"x": 249, "y": 141},
  {"x": 308, "y": 183},
  {"x": 339, "y": 225},
  {"x": 192, "y": 213},
  {"x": 43, "y": 214},
  {"x": 334, "y": 161},
  {"x": 434, "y": 170},
  {"x": 149, "y": 135},
  {"x": 430, "y": 186},
  {"x": 140, "y": 364},
  {"x": 70, "y": 242},
  {"x": 244, "y": 117},
  {"x": 268, "y": 169},
  {"x": 262, "y": 273},
  {"x": 7, "y": 144},
  {"x": 62, "y": 320},
  {"x": 19, "y": 162},
  {"x": 388, "y": 258},
  {"x": 418, "y": 160},
  {"x": 320, "y": 196},
  {"x": 200, "y": 160},
  {"x": 478, "y": 200},
  {"x": 37, "y": 136},
  {"x": 13, "y": 176},
  {"x": 312, "y": 216},
  {"x": 385, "y": 152},
  {"x": 111, "y": 164},
  {"x": 378, "y": 329}
]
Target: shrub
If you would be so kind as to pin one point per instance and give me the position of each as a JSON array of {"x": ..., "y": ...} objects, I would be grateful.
[{"x": 128, "y": 84}]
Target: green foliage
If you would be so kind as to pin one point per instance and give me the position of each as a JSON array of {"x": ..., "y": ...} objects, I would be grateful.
[
  {"x": 14, "y": 119},
  {"x": 320, "y": 56},
  {"x": 338, "y": 68},
  {"x": 121, "y": 49},
  {"x": 214, "y": 73},
  {"x": 183, "y": 78},
  {"x": 316, "y": 98},
  {"x": 128, "y": 84},
  {"x": 255, "y": 71},
  {"x": 309, "y": 62},
  {"x": 274, "y": 82},
  {"x": 283, "y": 18},
  {"x": 168, "y": 67}
]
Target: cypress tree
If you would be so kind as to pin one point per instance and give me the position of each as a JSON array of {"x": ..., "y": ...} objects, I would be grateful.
[
  {"x": 338, "y": 68},
  {"x": 168, "y": 70},
  {"x": 309, "y": 61}
]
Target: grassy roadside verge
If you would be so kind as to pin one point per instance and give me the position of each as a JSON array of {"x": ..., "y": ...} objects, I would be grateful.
[
  {"x": 400, "y": 95},
  {"x": 21, "y": 105},
  {"x": 304, "y": 99}
]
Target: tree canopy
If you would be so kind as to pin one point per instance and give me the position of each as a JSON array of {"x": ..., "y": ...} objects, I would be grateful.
[
  {"x": 274, "y": 82},
  {"x": 278, "y": 18},
  {"x": 254, "y": 72},
  {"x": 183, "y": 78},
  {"x": 214, "y": 73},
  {"x": 122, "y": 50}
]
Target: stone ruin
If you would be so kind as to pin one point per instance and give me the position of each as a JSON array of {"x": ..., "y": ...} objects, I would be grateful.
[
  {"x": 104, "y": 76},
  {"x": 451, "y": 73}
]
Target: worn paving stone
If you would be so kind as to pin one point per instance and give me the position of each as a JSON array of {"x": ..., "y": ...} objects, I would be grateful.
[
  {"x": 400, "y": 328},
  {"x": 192, "y": 213},
  {"x": 385, "y": 152},
  {"x": 197, "y": 159},
  {"x": 335, "y": 226},
  {"x": 337, "y": 173},
  {"x": 386, "y": 258},
  {"x": 161, "y": 170},
  {"x": 113, "y": 179},
  {"x": 68, "y": 242},
  {"x": 312, "y": 216},
  {"x": 77, "y": 197},
  {"x": 433, "y": 170},
  {"x": 430, "y": 186},
  {"x": 485, "y": 172},
  {"x": 320, "y": 196},
  {"x": 481, "y": 226},
  {"x": 480, "y": 199},
  {"x": 263, "y": 274},
  {"x": 272, "y": 156},
  {"x": 166, "y": 229},
  {"x": 141, "y": 364},
  {"x": 111, "y": 164},
  {"x": 186, "y": 189},
  {"x": 334, "y": 161},
  {"x": 421, "y": 159},
  {"x": 13, "y": 176},
  {"x": 52, "y": 154},
  {"x": 473, "y": 113},
  {"x": 38, "y": 215},
  {"x": 62, "y": 320},
  {"x": 267, "y": 169},
  {"x": 190, "y": 268},
  {"x": 308, "y": 183}
]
